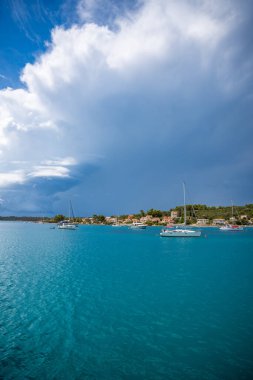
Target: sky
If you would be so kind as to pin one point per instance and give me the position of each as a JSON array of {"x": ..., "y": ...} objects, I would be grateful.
[{"x": 113, "y": 104}]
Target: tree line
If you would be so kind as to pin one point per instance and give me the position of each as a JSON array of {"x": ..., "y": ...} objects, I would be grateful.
[{"x": 194, "y": 212}]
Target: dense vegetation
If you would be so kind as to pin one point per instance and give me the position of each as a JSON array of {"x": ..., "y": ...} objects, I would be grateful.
[
  {"x": 203, "y": 211},
  {"x": 194, "y": 212},
  {"x": 199, "y": 211},
  {"x": 212, "y": 212}
]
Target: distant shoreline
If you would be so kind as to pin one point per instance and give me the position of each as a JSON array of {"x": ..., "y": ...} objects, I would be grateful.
[
  {"x": 123, "y": 225},
  {"x": 197, "y": 215}
]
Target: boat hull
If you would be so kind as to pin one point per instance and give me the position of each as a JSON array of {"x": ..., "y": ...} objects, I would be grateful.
[
  {"x": 181, "y": 233},
  {"x": 231, "y": 228},
  {"x": 67, "y": 227},
  {"x": 138, "y": 226}
]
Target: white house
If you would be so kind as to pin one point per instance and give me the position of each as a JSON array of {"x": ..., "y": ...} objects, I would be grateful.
[
  {"x": 174, "y": 214},
  {"x": 217, "y": 222},
  {"x": 202, "y": 221}
]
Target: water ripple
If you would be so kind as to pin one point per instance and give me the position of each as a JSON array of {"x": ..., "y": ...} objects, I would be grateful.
[{"x": 103, "y": 304}]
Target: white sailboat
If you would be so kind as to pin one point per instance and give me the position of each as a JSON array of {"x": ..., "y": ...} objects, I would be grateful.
[
  {"x": 68, "y": 224},
  {"x": 116, "y": 224},
  {"x": 231, "y": 227},
  {"x": 183, "y": 232},
  {"x": 138, "y": 226}
]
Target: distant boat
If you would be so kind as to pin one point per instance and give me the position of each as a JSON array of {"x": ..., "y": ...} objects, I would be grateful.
[
  {"x": 68, "y": 224},
  {"x": 169, "y": 232},
  {"x": 138, "y": 226},
  {"x": 65, "y": 225},
  {"x": 116, "y": 224},
  {"x": 180, "y": 233},
  {"x": 231, "y": 227}
]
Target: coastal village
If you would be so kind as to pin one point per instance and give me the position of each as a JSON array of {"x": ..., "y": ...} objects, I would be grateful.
[
  {"x": 173, "y": 219},
  {"x": 198, "y": 215}
]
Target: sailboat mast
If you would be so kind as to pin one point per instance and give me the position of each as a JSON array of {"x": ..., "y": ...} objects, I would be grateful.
[
  {"x": 232, "y": 209},
  {"x": 184, "y": 204},
  {"x": 71, "y": 212}
]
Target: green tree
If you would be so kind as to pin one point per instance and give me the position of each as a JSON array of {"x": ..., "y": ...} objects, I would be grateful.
[
  {"x": 58, "y": 218},
  {"x": 98, "y": 218},
  {"x": 155, "y": 213}
]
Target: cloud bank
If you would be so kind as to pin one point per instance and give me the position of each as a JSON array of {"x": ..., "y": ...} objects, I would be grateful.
[{"x": 129, "y": 109}]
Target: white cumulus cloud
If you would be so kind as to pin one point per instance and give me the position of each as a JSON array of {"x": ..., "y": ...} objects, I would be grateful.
[
  {"x": 11, "y": 178},
  {"x": 82, "y": 97},
  {"x": 49, "y": 171}
]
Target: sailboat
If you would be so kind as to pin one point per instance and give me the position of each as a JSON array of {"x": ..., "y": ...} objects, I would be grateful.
[
  {"x": 68, "y": 224},
  {"x": 168, "y": 232},
  {"x": 138, "y": 226},
  {"x": 231, "y": 227},
  {"x": 116, "y": 224}
]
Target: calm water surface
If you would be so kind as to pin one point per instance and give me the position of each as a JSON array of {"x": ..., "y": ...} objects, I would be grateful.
[{"x": 112, "y": 303}]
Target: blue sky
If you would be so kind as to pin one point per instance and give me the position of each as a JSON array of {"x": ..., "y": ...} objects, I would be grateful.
[{"x": 112, "y": 104}]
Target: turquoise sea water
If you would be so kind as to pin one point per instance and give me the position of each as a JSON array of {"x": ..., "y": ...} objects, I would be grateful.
[{"x": 113, "y": 303}]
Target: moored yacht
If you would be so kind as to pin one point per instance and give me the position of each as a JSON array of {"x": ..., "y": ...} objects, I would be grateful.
[
  {"x": 177, "y": 232},
  {"x": 183, "y": 232},
  {"x": 138, "y": 226},
  {"x": 117, "y": 224},
  {"x": 68, "y": 224},
  {"x": 231, "y": 227}
]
